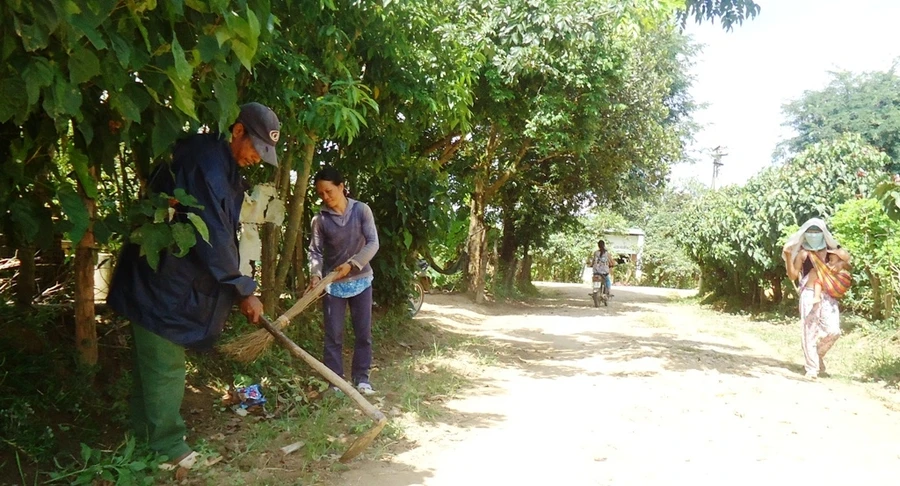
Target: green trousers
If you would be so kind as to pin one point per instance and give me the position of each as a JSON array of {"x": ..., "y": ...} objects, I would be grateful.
[{"x": 157, "y": 394}]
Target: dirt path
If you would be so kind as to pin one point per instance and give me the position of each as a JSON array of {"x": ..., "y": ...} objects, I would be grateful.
[{"x": 640, "y": 393}]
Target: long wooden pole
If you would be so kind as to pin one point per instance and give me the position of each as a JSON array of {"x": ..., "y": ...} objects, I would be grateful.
[{"x": 323, "y": 370}]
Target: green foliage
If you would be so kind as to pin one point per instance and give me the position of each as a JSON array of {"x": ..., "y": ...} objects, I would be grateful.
[
  {"x": 87, "y": 83},
  {"x": 564, "y": 257},
  {"x": 735, "y": 235},
  {"x": 888, "y": 193},
  {"x": 410, "y": 208},
  {"x": 163, "y": 223},
  {"x": 730, "y": 12},
  {"x": 665, "y": 262},
  {"x": 125, "y": 466},
  {"x": 851, "y": 103},
  {"x": 873, "y": 241}
]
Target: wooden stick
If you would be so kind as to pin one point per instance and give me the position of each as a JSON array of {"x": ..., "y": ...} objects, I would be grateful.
[{"x": 323, "y": 370}]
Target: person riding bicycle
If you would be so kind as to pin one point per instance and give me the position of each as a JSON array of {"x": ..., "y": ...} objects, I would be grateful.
[{"x": 602, "y": 263}]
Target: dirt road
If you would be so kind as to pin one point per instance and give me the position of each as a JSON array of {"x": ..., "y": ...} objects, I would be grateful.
[{"x": 644, "y": 392}]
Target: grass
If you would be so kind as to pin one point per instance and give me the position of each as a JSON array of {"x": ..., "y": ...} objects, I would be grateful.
[
  {"x": 866, "y": 352},
  {"x": 653, "y": 320},
  {"x": 58, "y": 429}
]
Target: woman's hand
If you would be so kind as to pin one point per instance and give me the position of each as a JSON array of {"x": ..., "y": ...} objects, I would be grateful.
[{"x": 343, "y": 270}]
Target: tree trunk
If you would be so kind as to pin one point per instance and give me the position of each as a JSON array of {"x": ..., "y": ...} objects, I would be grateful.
[
  {"x": 85, "y": 323},
  {"x": 271, "y": 238},
  {"x": 877, "y": 300},
  {"x": 26, "y": 286},
  {"x": 524, "y": 276},
  {"x": 299, "y": 265},
  {"x": 294, "y": 231},
  {"x": 777, "y": 291},
  {"x": 507, "y": 255},
  {"x": 477, "y": 242}
]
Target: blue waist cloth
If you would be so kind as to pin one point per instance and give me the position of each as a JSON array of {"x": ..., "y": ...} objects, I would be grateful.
[{"x": 349, "y": 288}]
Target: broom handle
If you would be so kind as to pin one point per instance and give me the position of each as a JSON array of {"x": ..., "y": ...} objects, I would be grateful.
[
  {"x": 329, "y": 375},
  {"x": 303, "y": 302}
]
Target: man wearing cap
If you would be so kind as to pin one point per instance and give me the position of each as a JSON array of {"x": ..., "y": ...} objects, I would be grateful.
[{"x": 185, "y": 302}]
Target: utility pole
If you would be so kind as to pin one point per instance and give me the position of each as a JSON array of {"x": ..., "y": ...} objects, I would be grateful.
[{"x": 717, "y": 154}]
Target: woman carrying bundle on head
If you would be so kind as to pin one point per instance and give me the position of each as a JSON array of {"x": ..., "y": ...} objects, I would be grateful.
[{"x": 813, "y": 256}]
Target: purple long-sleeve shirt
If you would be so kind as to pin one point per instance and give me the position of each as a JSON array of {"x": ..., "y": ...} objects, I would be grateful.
[{"x": 340, "y": 238}]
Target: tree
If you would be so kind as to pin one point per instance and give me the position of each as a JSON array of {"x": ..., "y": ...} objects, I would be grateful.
[
  {"x": 558, "y": 92},
  {"x": 735, "y": 235},
  {"x": 91, "y": 84},
  {"x": 867, "y": 104},
  {"x": 888, "y": 193},
  {"x": 730, "y": 12},
  {"x": 873, "y": 240}
]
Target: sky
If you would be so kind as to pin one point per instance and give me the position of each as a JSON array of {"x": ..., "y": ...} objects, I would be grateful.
[{"x": 746, "y": 75}]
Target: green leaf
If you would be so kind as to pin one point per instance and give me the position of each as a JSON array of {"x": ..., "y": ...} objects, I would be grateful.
[
  {"x": 75, "y": 211},
  {"x": 197, "y": 5},
  {"x": 161, "y": 215},
  {"x": 226, "y": 94},
  {"x": 166, "y": 129},
  {"x": 88, "y": 20},
  {"x": 38, "y": 74},
  {"x": 153, "y": 238},
  {"x": 21, "y": 211},
  {"x": 184, "y": 95},
  {"x": 209, "y": 48},
  {"x": 34, "y": 37},
  {"x": 244, "y": 53},
  {"x": 124, "y": 476},
  {"x": 102, "y": 232},
  {"x": 14, "y": 100},
  {"x": 123, "y": 104},
  {"x": 80, "y": 163},
  {"x": 121, "y": 48},
  {"x": 223, "y": 35},
  {"x": 200, "y": 225},
  {"x": 186, "y": 199},
  {"x": 83, "y": 65},
  {"x": 65, "y": 100},
  {"x": 85, "y": 453},
  {"x": 185, "y": 238},
  {"x": 182, "y": 68},
  {"x": 407, "y": 238}
]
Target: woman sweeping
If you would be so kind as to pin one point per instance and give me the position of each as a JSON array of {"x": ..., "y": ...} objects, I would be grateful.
[
  {"x": 344, "y": 239},
  {"x": 814, "y": 256}
]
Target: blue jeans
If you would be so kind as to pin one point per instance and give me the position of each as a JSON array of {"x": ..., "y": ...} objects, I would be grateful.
[
  {"x": 607, "y": 280},
  {"x": 335, "y": 310}
]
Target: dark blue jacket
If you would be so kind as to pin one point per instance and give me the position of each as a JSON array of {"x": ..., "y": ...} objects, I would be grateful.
[{"x": 187, "y": 300}]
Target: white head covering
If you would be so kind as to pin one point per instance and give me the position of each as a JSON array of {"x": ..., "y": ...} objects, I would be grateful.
[{"x": 795, "y": 242}]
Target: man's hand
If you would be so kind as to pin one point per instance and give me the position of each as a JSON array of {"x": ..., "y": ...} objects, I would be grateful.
[{"x": 252, "y": 309}]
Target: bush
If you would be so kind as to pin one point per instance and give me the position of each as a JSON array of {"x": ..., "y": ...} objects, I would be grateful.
[{"x": 873, "y": 240}]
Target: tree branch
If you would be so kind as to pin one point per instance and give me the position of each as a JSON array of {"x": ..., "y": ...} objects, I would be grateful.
[{"x": 490, "y": 191}]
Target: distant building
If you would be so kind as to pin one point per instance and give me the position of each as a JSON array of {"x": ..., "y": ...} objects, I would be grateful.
[{"x": 628, "y": 244}]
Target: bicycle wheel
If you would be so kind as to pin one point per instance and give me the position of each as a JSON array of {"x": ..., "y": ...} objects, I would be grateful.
[{"x": 416, "y": 299}]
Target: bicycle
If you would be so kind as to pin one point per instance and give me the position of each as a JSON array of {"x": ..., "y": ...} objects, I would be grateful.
[
  {"x": 600, "y": 291},
  {"x": 421, "y": 284}
]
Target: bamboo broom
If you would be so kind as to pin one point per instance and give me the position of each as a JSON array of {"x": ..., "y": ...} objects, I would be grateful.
[{"x": 248, "y": 348}]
